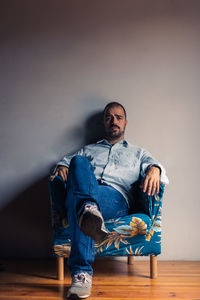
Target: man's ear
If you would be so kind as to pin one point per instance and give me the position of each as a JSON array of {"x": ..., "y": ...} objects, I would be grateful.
[{"x": 126, "y": 121}]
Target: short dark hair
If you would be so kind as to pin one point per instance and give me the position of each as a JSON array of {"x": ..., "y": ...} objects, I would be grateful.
[{"x": 112, "y": 104}]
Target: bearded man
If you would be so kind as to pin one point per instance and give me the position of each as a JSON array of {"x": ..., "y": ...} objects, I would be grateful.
[{"x": 99, "y": 178}]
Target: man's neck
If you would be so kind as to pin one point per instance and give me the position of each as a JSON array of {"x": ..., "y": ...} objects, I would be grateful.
[{"x": 114, "y": 141}]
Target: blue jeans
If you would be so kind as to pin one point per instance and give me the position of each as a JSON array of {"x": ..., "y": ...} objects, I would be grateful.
[{"x": 82, "y": 188}]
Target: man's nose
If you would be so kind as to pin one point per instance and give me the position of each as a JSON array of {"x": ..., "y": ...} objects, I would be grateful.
[{"x": 114, "y": 121}]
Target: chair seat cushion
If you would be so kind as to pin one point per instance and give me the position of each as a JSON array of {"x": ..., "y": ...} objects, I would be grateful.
[
  {"x": 127, "y": 236},
  {"x": 130, "y": 225}
]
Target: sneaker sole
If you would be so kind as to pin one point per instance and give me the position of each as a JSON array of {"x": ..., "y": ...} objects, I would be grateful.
[
  {"x": 75, "y": 296},
  {"x": 91, "y": 226}
]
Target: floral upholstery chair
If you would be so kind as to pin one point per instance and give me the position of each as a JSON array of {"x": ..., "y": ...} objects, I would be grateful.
[{"x": 137, "y": 234}]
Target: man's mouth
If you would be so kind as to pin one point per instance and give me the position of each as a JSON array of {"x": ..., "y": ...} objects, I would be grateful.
[{"x": 114, "y": 127}]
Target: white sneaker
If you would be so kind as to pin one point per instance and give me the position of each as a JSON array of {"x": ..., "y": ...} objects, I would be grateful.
[
  {"x": 81, "y": 286},
  {"x": 92, "y": 224}
]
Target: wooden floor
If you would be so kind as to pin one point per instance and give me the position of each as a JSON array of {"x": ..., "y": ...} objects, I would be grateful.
[{"x": 112, "y": 280}]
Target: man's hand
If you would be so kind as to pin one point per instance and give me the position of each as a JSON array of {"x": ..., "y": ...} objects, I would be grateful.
[
  {"x": 62, "y": 171},
  {"x": 152, "y": 181}
]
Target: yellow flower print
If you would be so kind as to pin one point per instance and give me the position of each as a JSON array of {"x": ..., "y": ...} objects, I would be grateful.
[
  {"x": 62, "y": 250},
  {"x": 112, "y": 237},
  {"x": 138, "y": 226},
  {"x": 130, "y": 251},
  {"x": 138, "y": 251},
  {"x": 149, "y": 235}
]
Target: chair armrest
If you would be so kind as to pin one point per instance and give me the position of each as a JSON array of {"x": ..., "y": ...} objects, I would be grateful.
[
  {"x": 155, "y": 206},
  {"x": 142, "y": 203},
  {"x": 57, "y": 192}
]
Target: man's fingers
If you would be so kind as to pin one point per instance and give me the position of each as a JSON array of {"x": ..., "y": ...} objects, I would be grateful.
[
  {"x": 157, "y": 187},
  {"x": 153, "y": 188},
  {"x": 152, "y": 181},
  {"x": 149, "y": 187},
  {"x": 63, "y": 175},
  {"x": 62, "y": 172},
  {"x": 145, "y": 184},
  {"x": 66, "y": 173}
]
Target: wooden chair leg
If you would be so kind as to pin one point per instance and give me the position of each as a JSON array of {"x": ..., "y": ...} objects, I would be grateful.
[
  {"x": 153, "y": 266},
  {"x": 60, "y": 268},
  {"x": 130, "y": 260}
]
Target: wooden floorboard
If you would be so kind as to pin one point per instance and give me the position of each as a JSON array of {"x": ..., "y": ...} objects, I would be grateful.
[{"x": 112, "y": 279}]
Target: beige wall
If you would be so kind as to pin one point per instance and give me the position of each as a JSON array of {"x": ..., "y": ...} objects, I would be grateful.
[{"x": 61, "y": 61}]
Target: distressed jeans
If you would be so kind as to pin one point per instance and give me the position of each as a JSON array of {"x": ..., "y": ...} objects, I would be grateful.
[{"x": 83, "y": 188}]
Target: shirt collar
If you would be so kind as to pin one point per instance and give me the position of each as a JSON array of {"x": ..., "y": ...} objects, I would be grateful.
[{"x": 105, "y": 142}]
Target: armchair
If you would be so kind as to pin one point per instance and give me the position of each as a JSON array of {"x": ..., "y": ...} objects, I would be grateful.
[{"x": 137, "y": 234}]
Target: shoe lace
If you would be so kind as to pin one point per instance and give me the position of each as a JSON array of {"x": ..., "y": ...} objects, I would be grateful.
[
  {"x": 91, "y": 207},
  {"x": 80, "y": 279}
]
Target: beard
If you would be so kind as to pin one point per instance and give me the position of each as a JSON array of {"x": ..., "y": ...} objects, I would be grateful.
[{"x": 113, "y": 135}]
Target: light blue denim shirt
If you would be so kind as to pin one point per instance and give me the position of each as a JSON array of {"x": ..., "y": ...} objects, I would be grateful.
[{"x": 118, "y": 165}]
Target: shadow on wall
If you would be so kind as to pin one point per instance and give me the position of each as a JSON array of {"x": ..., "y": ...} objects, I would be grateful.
[
  {"x": 94, "y": 130},
  {"x": 26, "y": 221}
]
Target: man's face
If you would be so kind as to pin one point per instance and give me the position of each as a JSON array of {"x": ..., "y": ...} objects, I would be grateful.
[{"x": 115, "y": 122}]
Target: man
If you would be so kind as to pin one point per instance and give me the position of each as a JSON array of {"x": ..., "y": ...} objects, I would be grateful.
[{"x": 99, "y": 178}]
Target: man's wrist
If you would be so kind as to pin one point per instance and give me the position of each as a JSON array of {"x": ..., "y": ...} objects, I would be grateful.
[
  {"x": 61, "y": 166},
  {"x": 156, "y": 166}
]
